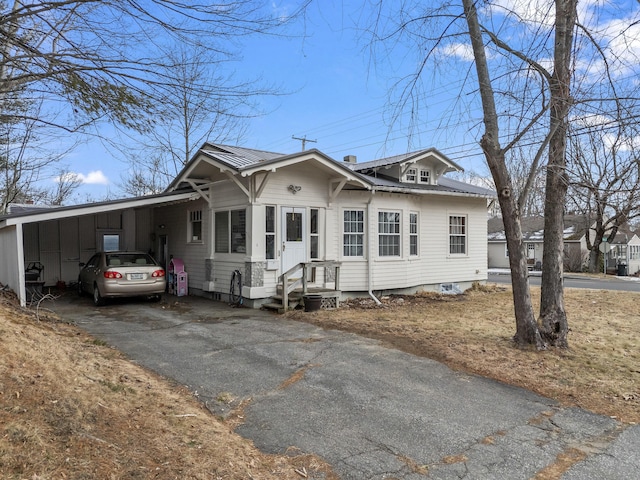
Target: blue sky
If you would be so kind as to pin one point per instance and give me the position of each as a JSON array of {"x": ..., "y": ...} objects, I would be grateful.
[
  {"x": 335, "y": 96},
  {"x": 338, "y": 94}
]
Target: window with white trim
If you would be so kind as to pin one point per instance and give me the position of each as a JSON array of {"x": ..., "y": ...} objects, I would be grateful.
[
  {"x": 230, "y": 231},
  {"x": 314, "y": 234},
  {"x": 389, "y": 234},
  {"x": 353, "y": 233},
  {"x": 195, "y": 226},
  {"x": 411, "y": 175},
  {"x": 413, "y": 233},
  {"x": 222, "y": 232},
  {"x": 457, "y": 234},
  {"x": 425, "y": 176},
  {"x": 270, "y": 232}
]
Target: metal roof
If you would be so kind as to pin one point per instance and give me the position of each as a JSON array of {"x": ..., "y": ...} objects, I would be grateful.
[
  {"x": 396, "y": 159},
  {"x": 244, "y": 160},
  {"x": 58, "y": 212},
  {"x": 239, "y": 157}
]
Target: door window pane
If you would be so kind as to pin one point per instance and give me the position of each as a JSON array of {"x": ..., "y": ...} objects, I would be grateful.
[{"x": 294, "y": 227}]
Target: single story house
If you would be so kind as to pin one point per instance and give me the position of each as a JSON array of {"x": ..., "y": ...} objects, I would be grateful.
[
  {"x": 625, "y": 251},
  {"x": 625, "y": 248},
  {"x": 575, "y": 246},
  {"x": 391, "y": 225}
]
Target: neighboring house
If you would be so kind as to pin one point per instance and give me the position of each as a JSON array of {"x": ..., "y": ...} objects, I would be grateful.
[
  {"x": 575, "y": 246},
  {"x": 624, "y": 251},
  {"x": 391, "y": 225}
]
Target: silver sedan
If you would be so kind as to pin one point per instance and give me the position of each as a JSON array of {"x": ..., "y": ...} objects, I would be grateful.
[{"x": 121, "y": 274}]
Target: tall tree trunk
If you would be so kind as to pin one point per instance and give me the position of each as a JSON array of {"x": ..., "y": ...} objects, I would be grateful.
[
  {"x": 527, "y": 332},
  {"x": 553, "y": 318}
]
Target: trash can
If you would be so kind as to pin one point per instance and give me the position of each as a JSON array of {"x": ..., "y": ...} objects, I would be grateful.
[
  {"x": 312, "y": 303},
  {"x": 622, "y": 269}
]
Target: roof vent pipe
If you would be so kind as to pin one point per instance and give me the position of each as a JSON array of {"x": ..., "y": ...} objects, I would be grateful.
[{"x": 350, "y": 159}]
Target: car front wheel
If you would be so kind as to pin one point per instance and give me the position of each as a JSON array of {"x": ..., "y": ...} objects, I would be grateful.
[{"x": 98, "y": 300}]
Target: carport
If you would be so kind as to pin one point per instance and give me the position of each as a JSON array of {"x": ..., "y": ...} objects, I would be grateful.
[{"x": 60, "y": 237}]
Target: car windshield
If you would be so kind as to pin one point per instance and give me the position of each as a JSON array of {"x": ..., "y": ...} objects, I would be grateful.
[{"x": 129, "y": 259}]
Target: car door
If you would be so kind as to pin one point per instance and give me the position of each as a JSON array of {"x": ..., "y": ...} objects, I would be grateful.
[{"x": 88, "y": 273}]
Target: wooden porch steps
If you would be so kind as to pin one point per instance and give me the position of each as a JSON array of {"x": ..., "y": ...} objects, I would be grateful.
[
  {"x": 330, "y": 299},
  {"x": 294, "y": 284}
]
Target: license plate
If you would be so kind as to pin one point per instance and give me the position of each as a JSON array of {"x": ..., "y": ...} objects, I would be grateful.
[{"x": 136, "y": 276}]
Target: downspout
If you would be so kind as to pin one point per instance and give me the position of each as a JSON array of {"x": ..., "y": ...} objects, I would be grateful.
[{"x": 369, "y": 251}]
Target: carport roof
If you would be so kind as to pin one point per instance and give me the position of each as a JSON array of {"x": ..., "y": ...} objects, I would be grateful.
[{"x": 40, "y": 214}]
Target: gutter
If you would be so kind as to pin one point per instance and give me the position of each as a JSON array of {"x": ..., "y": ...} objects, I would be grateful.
[{"x": 369, "y": 250}]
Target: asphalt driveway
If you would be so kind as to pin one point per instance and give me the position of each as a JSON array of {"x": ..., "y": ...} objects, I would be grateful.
[{"x": 371, "y": 412}]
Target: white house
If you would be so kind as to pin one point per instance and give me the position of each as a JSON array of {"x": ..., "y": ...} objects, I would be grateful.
[{"x": 391, "y": 225}]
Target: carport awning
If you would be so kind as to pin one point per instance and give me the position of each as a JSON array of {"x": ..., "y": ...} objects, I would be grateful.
[{"x": 100, "y": 207}]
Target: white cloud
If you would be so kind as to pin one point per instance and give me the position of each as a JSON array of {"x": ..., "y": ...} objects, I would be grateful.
[
  {"x": 461, "y": 50},
  {"x": 92, "y": 178}
]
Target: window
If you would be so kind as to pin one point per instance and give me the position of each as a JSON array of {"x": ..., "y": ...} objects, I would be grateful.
[
  {"x": 457, "y": 235},
  {"x": 195, "y": 226},
  {"x": 634, "y": 252},
  {"x": 238, "y": 231},
  {"x": 231, "y": 231},
  {"x": 111, "y": 242},
  {"x": 389, "y": 234},
  {"x": 413, "y": 234},
  {"x": 410, "y": 176},
  {"x": 313, "y": 234},
  {"x": 222, "y": 232},
  {"x": 353, "y": 235},
  {"x": 425, "y": 176},
  {"x": 270, "y": 232}
]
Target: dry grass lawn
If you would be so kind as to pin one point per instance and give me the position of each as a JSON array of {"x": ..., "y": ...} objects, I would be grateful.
[
  {"x": 472, "y": 332},
  {"x": 72, "y": 408}
]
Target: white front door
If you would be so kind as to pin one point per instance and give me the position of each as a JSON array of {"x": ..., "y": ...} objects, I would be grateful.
[{"x": 294, "y": 247}]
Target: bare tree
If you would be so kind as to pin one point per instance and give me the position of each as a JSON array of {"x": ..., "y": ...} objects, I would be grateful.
[
  {"x": 604, "y": 171},
  {"x": 122, "y": 61},
  {"x": 533, "y": 62},
  {"x": 66, "y": 183},
  {"x": 527, "y": 332},
  {"x": 106, "y": 58},
  {"x": 26, "y": 158},
  {"x": 199, "y": 104}
]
